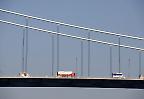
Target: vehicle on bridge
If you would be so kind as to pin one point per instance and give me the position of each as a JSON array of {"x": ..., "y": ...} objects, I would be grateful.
[
  {"x": 141, "y": 77},
  {"x": 118, "y": 75},
  {"x": 24, "y": 74},
  {"x": 66, "y": 74}
]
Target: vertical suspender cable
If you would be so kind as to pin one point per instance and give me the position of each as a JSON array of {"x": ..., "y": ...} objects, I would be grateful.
[
  {"x": 76, "y": 66},
  {"x": 26, "y": 60},
  {"x": 139, "y": 63},
  {"x": 53, "y": 55},
  {"x": 23, "y": 44},
  {"x": 129, "y": 65},
  {"x": 110, "y": 61},
  {"x": 81, "y": 58},
  {"x": 58, "y": 48},
  {"x": 119, "y": 55},
  {"x": 89, "y": 54}
]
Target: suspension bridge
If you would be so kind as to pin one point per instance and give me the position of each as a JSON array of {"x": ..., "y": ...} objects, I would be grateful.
[{"x": 78, "y": 81}]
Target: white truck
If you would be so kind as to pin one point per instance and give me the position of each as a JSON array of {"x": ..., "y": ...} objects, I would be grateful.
[{"x": 66, "y": 74}]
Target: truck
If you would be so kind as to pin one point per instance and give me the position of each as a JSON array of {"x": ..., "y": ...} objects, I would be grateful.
[{"x": 66, "y": 74}]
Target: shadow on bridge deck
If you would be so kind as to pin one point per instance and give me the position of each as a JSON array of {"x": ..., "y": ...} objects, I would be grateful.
[{"x": 71, "y": 82}]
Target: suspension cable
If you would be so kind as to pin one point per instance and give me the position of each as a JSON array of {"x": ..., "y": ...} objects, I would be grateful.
[
  {"x": 74, "y": 26},
  {"x": 71, "y": 36}
]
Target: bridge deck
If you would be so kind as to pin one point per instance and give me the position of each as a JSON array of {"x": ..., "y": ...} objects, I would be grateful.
[{"x": 71, "y": 82}]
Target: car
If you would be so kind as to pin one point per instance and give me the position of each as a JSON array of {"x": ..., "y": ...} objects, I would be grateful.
[
  {"x": 118, "y": 75},
  {"x": 141, "y": 77},
  {"x": 24, "y": 74}
]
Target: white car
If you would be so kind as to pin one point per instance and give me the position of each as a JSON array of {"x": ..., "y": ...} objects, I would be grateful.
[
  {"x": 141, "y": 77},
  {"x": 24, "y": 74},
  {"x": 118, "y": 75}
]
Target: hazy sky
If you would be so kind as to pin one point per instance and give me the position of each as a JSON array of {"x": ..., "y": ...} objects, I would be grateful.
[{"x": 120, "y": 16}]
